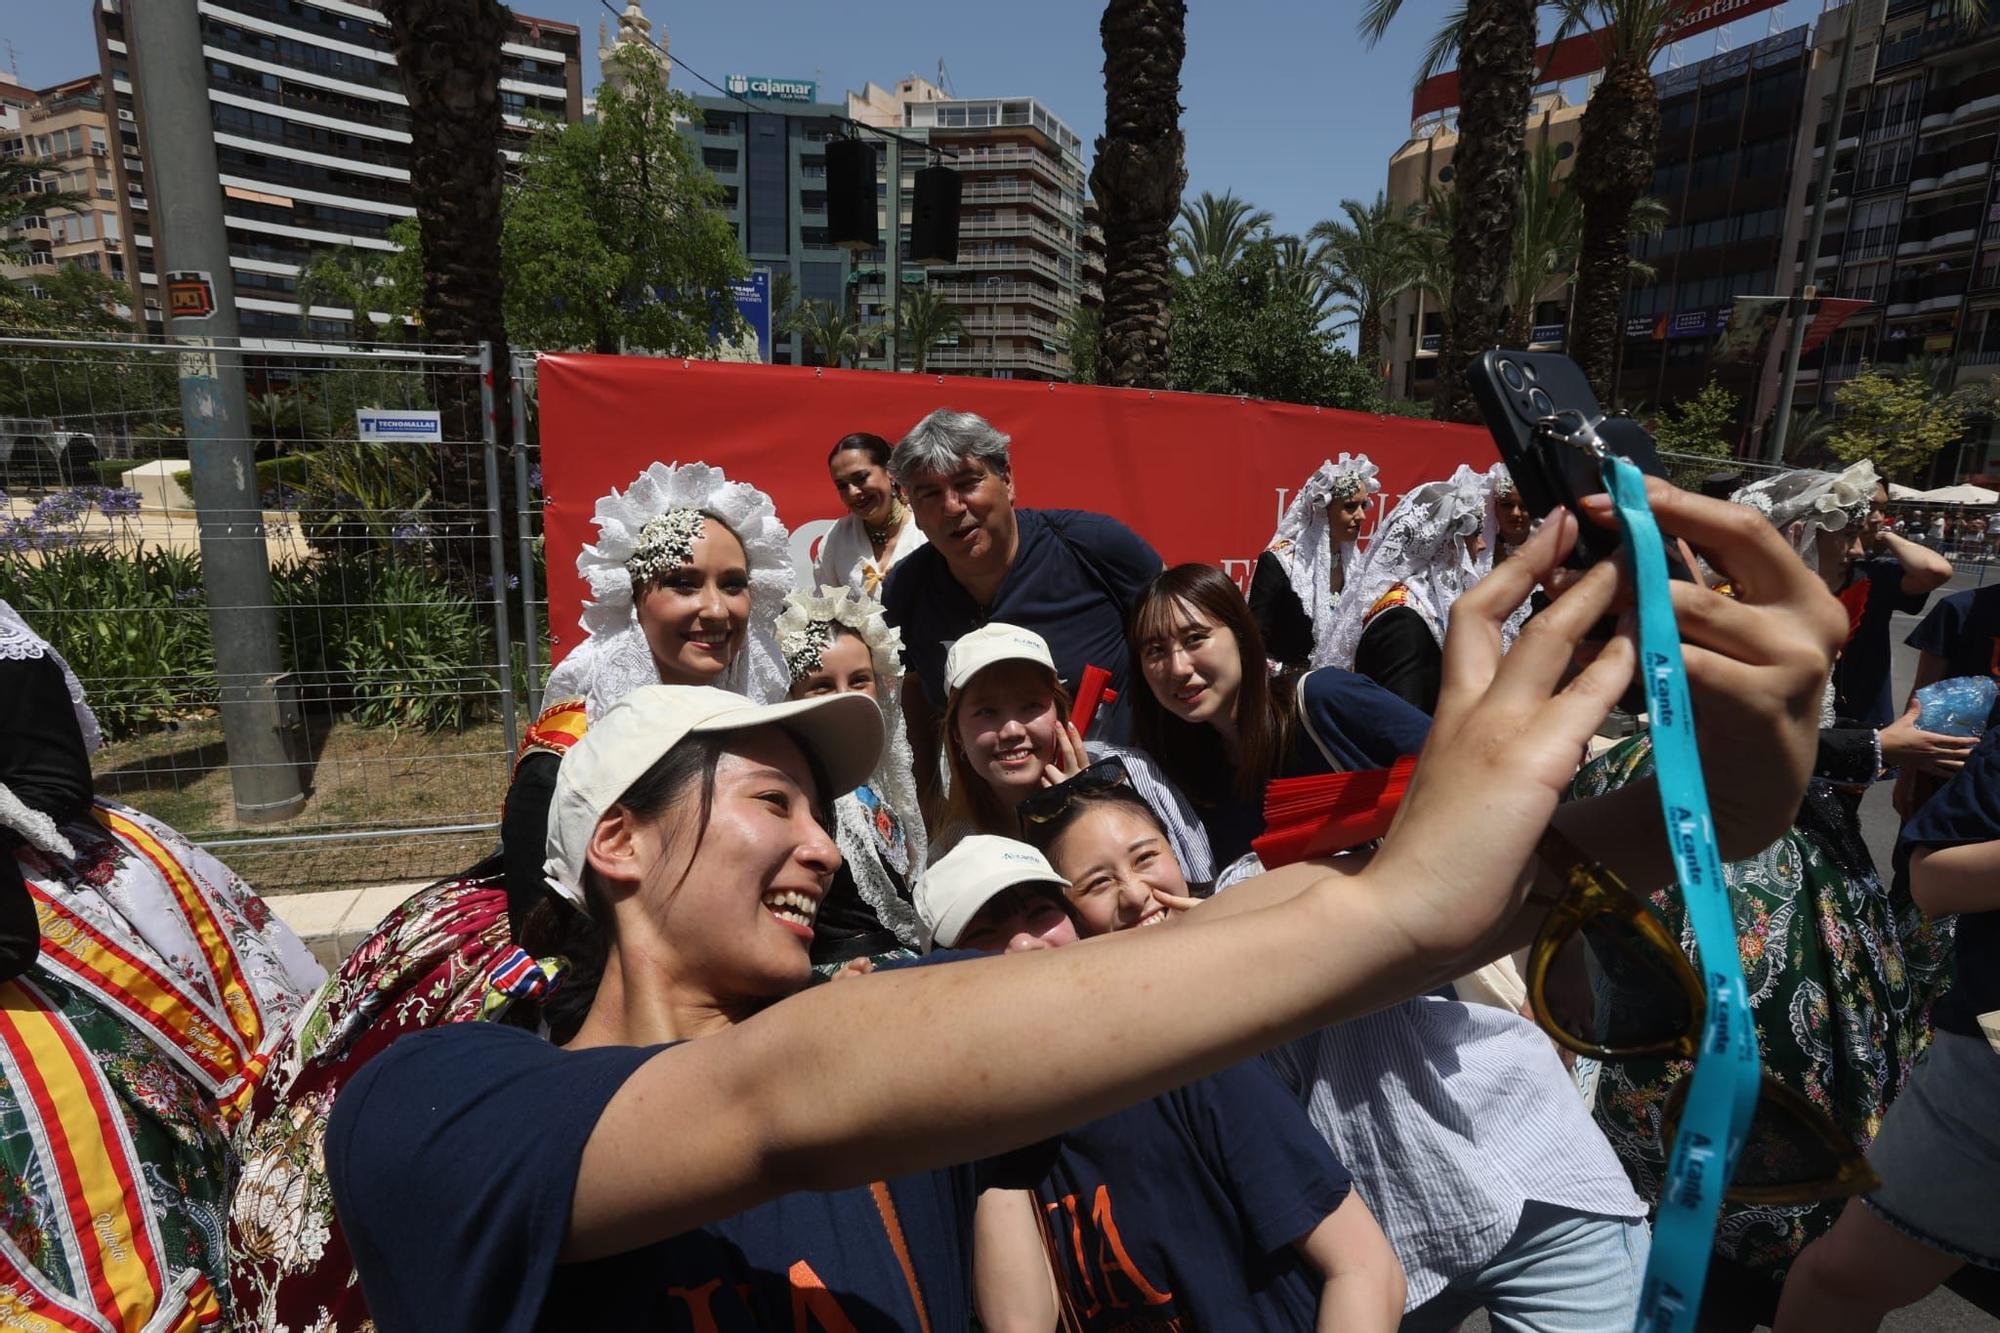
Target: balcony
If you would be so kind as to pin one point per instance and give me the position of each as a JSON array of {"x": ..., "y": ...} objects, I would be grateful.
[
  {"x": 1927, "y": 295},
  {"x": 973, "y": 295},
  {"x": 1960, "y": 164},
  {"x": 978, "y": 191},
  {"x": 1020, "y": 226},
  {"x": 982, "y": 159},
  {"x": 1947, "y": 229},
  {"x": 1015, "y": 258},
  {"x": 1033, "y": 358}
]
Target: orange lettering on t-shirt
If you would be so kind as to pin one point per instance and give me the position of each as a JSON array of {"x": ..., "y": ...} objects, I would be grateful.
[
  {"x": 1121, "y": 1262},
  {"x": 698, "y": 1299},
  {"x": 1068, "y": 1204},
  {"x": 811, "y": 1300}
]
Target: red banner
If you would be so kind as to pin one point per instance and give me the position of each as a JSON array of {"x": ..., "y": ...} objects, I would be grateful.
[
  {"x": 1581, "y": 55},
  {"x": 1833, "y": 311},
  {"x": 1201, "y": 477}
]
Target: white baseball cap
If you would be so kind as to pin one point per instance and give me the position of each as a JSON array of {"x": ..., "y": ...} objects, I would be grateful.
[
  {"x": 992, "y": 643},
  {"x": 842, "y": 731},
  {"x": 968, "y": 877}
]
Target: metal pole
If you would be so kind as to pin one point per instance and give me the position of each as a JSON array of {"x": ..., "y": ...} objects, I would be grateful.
[
  {"x": 496, "y": 550},
  {"x": 186, "y": 195},
  {"x": 893, "y": 239},
  {"x": 1795, "y": 308},
  {"x": 531, "y": 630}
]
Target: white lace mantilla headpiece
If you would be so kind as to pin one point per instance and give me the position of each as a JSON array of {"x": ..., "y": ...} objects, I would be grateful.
[
  {"x": 1303, "y": 542},
  {"x": 805, "y": 628},
  {"x": 1813, "y": 502},
  {"x": 20, "y": 643},
  {"x": 646, "y": 530},
  {"x": 1420, "y": 546}
]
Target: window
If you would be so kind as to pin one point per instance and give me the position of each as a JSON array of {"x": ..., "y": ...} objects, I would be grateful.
[
  {"x": 719, "y": 159},
  {"x": 768, "y": 219},
  {"x": 718, "y": 124},
  {"x": 1865, "y": 282},
  {"x": 1895, "y": 108}
]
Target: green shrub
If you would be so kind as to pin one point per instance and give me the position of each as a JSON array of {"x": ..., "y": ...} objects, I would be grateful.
[
  {"x": 289, "y": 471},
  {"x": 110, "y": 471}
]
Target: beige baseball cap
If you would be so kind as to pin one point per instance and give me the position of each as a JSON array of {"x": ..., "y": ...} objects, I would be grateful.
[
  {"x": 992, "y": 643},
  {"x": 842, "y": 731},
  {"x": 967, "y": 877}
]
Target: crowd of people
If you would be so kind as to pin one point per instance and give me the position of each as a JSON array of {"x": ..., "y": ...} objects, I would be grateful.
[
  {"x": 813, "y": 984},
  {"x": 1953, "y": 531}
]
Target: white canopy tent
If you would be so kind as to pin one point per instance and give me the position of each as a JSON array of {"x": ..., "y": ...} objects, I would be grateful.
[
  {"x": 1898, "y": 491},
  {"x": 1962, "y": 494}
]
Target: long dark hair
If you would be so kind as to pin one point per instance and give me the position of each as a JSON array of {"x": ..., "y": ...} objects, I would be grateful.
[
  {"x": 874, "y": 446},
  {"x": 1265, "y": 705}
]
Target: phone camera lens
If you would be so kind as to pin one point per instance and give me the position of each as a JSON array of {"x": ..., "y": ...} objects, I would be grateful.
[
  {"x": 1529, "y": 371},
  {"x": 1544, "y": 406},
  {"x": 1511, "y": 373}
]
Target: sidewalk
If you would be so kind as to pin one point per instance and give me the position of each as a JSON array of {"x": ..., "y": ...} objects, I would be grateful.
[{"x": 334, "y": 922}]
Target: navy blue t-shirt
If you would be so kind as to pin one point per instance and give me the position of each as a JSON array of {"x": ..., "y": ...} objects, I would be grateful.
[
  {"x": 1965, "y": 810},
  {"x": 1346, "y": 723},
  {"x": 1861, "y": 688},
  {"x": 453, "y": 1159},
  {"x": 1963, "y": 629},
  {"x": 1074, "y": 575},
  {"x": 1181, "y": 1212}
]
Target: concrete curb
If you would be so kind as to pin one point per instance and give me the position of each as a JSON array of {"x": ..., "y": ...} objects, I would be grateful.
[{"x": 334, "y": 922}]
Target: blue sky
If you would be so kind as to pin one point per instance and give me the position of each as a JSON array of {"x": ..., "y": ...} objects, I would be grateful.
[{"x": 1284, "y": 104}]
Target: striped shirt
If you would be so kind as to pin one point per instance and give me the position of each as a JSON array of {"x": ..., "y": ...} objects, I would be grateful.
[{"x": 1452, "y": 1118}]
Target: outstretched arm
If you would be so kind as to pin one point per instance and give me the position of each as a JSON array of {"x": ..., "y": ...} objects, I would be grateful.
[{"x": 916, "y": 1069}]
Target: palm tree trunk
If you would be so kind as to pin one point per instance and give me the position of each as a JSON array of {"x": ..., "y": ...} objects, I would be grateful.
[
  {"x": 1614, "y": 165},
  {"x": 1368, "y": 341},
  {"x": 1495, "y": 72},
  {"x": 1138, "y": 177}
]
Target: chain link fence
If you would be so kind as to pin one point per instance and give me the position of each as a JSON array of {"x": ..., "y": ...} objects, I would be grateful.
[{"x": 390, "y": 585}]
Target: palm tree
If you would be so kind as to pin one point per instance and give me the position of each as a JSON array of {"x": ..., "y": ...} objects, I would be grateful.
[
  {"x": 828, "y": 331},
  {"x": 1137, "y": 179},
  {"x": 1081, "y": 330},
  {"x": 1298, "y": 269},
  {"x": 1215, "y": 230},
  {"x": 925, "y": 319},
  {"x": 1546, "y": 240},
  {"x": 1368, "y": 264},
  {"x": 1432, "y": 222},
  {"x": 1495, "y": 43},
  {"x": 353, "y": 279}
]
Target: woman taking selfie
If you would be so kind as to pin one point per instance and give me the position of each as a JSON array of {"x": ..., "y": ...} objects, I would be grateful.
[
  {"x": 686, "y": 836},
  {"x": 1008, "y": 735},
  {"x": 1221, "y": 727},
  {"x": 878, "y": 529}
]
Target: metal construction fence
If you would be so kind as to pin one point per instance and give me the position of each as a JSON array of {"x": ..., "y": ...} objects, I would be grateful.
[{"x": 395, "y": 584}]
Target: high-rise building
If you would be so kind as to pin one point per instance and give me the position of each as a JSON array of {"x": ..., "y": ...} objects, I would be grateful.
[
  {"x": 1027, "y": 254},
  {"x": 311, "y": 137},
  {"x": 1913, "y": 214},
  {"x": 67, "y": 130}
]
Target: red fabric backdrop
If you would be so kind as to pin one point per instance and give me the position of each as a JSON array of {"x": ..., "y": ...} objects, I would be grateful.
[{"x": 1201, "y": 477}]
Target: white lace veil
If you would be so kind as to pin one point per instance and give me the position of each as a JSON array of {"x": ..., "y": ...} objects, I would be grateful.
[
  {"x": 1304, "y": 547},
  {"x": 615, "y": 659},
  {"x": 1499, "y": 481},
  {"x": 803, "y": 628},
  {"x": 20, "y": 643},
  {"x": 1812, "y": 502},
  {"x": 1420, "y": 546}
]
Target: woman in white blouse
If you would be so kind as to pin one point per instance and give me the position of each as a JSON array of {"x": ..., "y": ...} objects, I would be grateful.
[{"x": 878, "y": 529}]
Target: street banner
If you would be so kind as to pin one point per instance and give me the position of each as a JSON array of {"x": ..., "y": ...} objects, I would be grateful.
[
  {"x": 1832, "y": 313},
  {"x": 1201, "y": 477},
  {"x": 1690, "y": 324},
  {"x": 400, "y": 425},
  {"x": 1751, "y": 324},
  {"x": 753, "y": 301}
]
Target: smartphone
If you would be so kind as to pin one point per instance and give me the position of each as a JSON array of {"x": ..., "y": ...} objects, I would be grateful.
[{"x": 1517, "y": 393}]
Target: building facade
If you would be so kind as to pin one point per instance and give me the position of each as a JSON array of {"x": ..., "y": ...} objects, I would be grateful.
[
  {"x": 312, "y": 140},
  {"x": 67, "y": 129},
  {"x": 1913, "y": 212},
  {"x": 766, "y": 145},
  {"x": 1027, "y": 254}
]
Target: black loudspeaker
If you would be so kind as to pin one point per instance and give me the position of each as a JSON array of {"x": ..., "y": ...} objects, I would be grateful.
[
  {"x": 934, "y": 217},
  {"x": 851, "y": 217}
]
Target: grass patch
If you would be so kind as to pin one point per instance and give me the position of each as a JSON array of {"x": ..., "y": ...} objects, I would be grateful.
[{"x": 371, "y": 778}]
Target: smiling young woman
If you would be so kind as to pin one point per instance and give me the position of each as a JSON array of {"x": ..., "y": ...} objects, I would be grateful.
[{"x": 878, "y": 529}]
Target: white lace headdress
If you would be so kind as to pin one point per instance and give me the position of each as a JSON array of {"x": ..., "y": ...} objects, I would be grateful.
[
  {"x": 1304, "y": 547},
  {"x": 647, "y": 528},
  {"x": 1499, "y": 484},
  {"x": 1813, "y": 501},
  {"x": 805, "y": 628},
  {"x": 1420, "y": 546},
  {"x": 20, "y": 643}
]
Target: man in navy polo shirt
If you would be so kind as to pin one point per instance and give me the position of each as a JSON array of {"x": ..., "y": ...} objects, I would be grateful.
[
  {"x": 1067, "y": 574},
  {"x": 1899, "y": 575}
]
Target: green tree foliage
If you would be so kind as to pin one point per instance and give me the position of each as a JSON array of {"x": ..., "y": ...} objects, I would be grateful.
[
  {"x": 1242, "y": 329},
  {"x": 1080, "y": 331},
  {"x": 367, "y": 283},
  {"x": 924, "y": 319},
  {"x": 831, "y": 335},
  {"x": 1704, "y": 425},
  {"x": 1215, "y": 230},
  {"x": 1368, "y": 263},
  {"x": 614, "y": 236},
  {"x": 1899, "y": 421}
]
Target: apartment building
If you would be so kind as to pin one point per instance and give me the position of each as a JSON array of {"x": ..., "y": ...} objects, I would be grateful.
[
  {"x": 312, "y": 139},
  {"x": 1913, "y": 213},
  {"x": 1027, "y": 253},
  {"x": 67, "y": 130}
]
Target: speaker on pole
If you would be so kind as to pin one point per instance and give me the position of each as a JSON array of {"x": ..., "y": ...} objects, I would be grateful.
[
  {"x": 934, "y": 217},
  {"x": 851, "y": 218}
]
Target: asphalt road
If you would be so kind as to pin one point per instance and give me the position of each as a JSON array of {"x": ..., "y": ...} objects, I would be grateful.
[{"x": 1945, "y": 1311}]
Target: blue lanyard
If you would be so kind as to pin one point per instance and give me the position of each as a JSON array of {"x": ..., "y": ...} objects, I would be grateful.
[{"x": 1722, "y": 1094}]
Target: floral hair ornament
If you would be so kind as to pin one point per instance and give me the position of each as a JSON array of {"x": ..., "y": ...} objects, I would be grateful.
[
  {"x": 1352, "y": 475},
  {"x": 1814, "y": 501},
  {"x": 666, "y": 542},
  {"x": 1500, "y": 481},
  {"x": 810, "y": 621}
]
